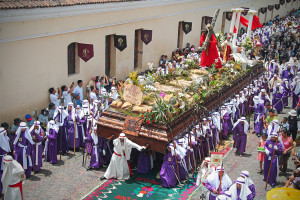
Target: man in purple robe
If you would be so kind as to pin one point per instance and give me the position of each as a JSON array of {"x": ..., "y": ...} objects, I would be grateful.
[
  {"x": 277, "y": 98},
  {"x": 213, "y": 183},
  {"x": 80, "y": 125},
  {"x": 286, "y": 92},
  {"x": 22, "y": 148},
  {"x": 71, "y": 128},
  {"x": 272, "y": 146},
  {"x": 144, "y": 161},
  {"x": 288, "y": 72},
  {"x": 37, "y": 135},
  {"x": 225, "y": 125},
  {"x": 4, "y": 150},
  {"x": 248, "y": 182},
  {"x": 97, "y": 160},
  {"x": 60, "y": 117},
  {"x": 240, "y": 130},
  {"x": 264, "y": 96},
  {"x": 51, "y": 144},
  {"x": 259, "y": 110},
  {"x": 168, "y": 172},
  {"x": 239, "y": 191}
]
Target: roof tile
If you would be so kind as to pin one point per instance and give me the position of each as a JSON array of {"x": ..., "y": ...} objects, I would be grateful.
[{"x": 29, "y": 4}]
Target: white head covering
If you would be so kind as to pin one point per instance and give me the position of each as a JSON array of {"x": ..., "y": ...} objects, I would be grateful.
[
  {"x": 248, "y": 180},
  {"x": 57, "y": 112},
  {"x": 51, "y": 125},
  {"x": 280, "y": 90},
  {"x": 245, "y": 191},
  {"x": 275, "y": 129},
  {"x": 72, "y": 112},
  {"x": 35, "y": 123},
  {"x": 216, "y": 120},
  {"x": 27, "y": 134},
  {"x": 4, "y": 140},
  {"x": 13, "y": 172},
  {"x": 256, "y": 100},
  {"x": 95, "y": 137},
  {"x": 246, "y": 124}
]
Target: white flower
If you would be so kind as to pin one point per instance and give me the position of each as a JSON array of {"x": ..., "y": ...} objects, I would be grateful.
[{"x": 180, "y": 94}]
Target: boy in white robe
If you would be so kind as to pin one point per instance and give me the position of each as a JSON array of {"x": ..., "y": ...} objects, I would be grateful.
[
  {"x": 12, "y": 179},
  {"x": 118, "y": 167}
]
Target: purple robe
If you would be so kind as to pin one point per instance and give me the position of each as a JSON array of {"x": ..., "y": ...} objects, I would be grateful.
[
  {"x": 286, "y": 74},
  {"x": 273, "y": 172},
  {"x": 70, "y": 128},
  {"x": 240, "y": 138},
  {"x": 23, "y": 144},
  {"x": 97, "y": 154},
  {"x": 37, "y": 139},
  {"x": 277, "y": 101},
  {"x": 226, "y": 119},
  {"x": 144, "y": 164},
  {"x": 259, "y": 112},
  {"x": 62, "y": 136},
  {"x": 249, "y": 197},
  {"x": 285, "y": 95},
  {"x": 80, "y": 129},
  {"x": 168, "y": 172},
  {"x": 52, "y": 146}
]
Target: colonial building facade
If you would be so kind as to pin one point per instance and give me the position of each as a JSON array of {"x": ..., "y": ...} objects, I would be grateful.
[{"x": 38, "y": 46}]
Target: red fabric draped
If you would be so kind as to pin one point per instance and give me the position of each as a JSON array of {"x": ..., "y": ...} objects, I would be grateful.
[{"x": 245, "y": 22}]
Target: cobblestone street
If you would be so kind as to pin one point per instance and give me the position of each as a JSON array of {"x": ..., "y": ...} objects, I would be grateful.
[{"x": 65, "y": 180}]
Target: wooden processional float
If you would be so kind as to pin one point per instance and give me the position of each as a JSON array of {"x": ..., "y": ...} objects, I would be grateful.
[{"x": 112, "y": 123}]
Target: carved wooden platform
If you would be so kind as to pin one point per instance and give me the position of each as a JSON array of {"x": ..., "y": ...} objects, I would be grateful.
[{"x": 158, "y": 135}]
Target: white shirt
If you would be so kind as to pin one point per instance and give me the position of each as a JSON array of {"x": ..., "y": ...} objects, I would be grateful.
[
  {"x": 93, "y": 96},
  {"x": 78, "y": 90},
  {"x": 67, "y": 97},
  {"x": 54, "y": 99}
]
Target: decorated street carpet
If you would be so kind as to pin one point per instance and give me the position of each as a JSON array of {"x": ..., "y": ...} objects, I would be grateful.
[{"x": 148, "y": 186}]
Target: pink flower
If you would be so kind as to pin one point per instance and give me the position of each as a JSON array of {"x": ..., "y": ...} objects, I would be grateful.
[{"x": 162, "y": 94}]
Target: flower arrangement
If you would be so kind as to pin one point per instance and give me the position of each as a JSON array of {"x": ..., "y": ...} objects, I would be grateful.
[
  {"x": 247, "y": 44},
  {"x": 220, "y": 37}
]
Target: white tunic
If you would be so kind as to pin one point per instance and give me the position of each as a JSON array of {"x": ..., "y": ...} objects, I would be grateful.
[{"x": 118, "y": 166}]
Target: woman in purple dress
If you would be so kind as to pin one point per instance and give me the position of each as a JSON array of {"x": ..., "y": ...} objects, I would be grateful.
[
  {"x": 37, "y": 135},
  {"x": 51, "y": 146}
]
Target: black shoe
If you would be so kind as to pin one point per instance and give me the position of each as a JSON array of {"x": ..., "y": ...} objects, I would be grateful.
[
  {"x": 102, "y": 178},
  {"x": 88, "y": 169}
]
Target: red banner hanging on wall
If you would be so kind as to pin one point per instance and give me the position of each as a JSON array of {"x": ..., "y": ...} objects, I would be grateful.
[{"x": 85, "y": 51}]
